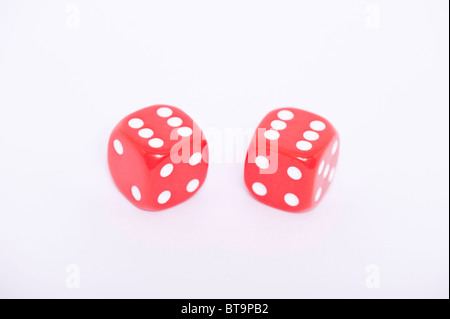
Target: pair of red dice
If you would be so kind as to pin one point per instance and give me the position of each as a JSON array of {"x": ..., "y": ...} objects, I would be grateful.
[{"x": 158, "y": 158}]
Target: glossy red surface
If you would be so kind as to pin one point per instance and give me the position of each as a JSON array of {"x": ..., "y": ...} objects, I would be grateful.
[
  {"x": 292, "y": 159},
  {"x": 151, "y": 157}
]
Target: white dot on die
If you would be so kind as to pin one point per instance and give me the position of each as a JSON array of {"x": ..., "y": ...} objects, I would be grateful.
[
  {"x": 262, "y": 162},
  {"x": 118, "y": 147},
  {"x": 278, "y": 125},
  {"x": 166, "y": 170},
  {"x": 145, "y": 133},
  {"x": 319, "y": 192},
  {"x": 271, "y": 135},
  {"x": 156, "y": 142},
  {"x": 317, "y": 125},
  {"x": 294, "y": 173},
  {"x": 164, "y": 197},
  {"x": 285, "y": 115},
  {"x": 291, "y": 199},
  {"x": 164, "y": 112},
  {"x": 322, "y": 165},
  {"x": 195, "y": 158},
  {"x": 136, "y": 193},
  {"x": 192, "y": 185},
  {"x": 304, "y": 145},
  {"x": 136, "y": 123},
  {"x": 327, "y": 169},
  {"x": 259, "y": 189},
  {"x": 184, "y": 131},
  {"x": 311, "y": 136},
  {"x": 174, "y": 121},
  {"x": 335, "y": 147},
  {"x": 330, "y": 177}
]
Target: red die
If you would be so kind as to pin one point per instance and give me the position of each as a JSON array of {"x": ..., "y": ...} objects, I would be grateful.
[
  {"x": 158, "y": 157},
  {"x": 292, "y": 159}
]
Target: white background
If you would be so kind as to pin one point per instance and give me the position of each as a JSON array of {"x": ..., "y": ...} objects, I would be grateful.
[{"x": 378, "y": 70}]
